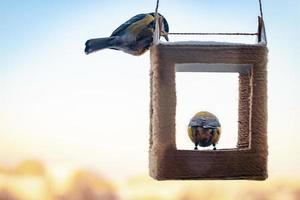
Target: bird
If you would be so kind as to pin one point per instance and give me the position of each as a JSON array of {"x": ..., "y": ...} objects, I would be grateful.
[
  {"x": 204, "y": 129},
  {"x": 134, "y": 37}
]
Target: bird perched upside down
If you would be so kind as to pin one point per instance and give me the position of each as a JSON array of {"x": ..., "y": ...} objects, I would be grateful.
[
  {"x": 204, "y": 129},
  {"x": 135, "y": 36}
]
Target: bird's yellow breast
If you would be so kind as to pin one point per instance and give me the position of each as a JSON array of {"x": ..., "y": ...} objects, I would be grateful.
[
  {"x": 216, "y": 136},
  {"x": 190, "y": 132},
  {"x": 214, "y": 139},
  {"x": 140, "y": 25}
]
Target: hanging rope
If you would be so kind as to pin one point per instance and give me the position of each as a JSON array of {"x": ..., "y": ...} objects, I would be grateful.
[
  {"x": 212, "y": 33},
  {"x": 156, "y": 30},
  {"x": 156, "y": 16},
  {"x": 156, "y": 8},
  {"x": 260, "y": 9}
]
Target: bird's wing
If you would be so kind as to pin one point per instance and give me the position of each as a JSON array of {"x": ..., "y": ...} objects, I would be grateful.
[
  {"x": 205, "y": 122},
  {"x": 146, "y": 33},
  {"x": 211, "y": 123},
  {"x": 197, "y": 121},
  {"x": 125, "y": 25}
]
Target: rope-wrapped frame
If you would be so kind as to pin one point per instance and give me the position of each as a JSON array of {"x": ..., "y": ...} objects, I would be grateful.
[{"x": 249, "y": 159}]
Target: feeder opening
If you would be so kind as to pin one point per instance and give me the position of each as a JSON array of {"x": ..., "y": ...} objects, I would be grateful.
[{"x": 213, "y": 92}]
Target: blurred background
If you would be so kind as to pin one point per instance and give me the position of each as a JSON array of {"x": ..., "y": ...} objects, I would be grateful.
[{"x": 76, "y": 127}]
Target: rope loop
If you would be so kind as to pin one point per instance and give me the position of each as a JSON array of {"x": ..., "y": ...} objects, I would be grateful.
[{"x": 156, "y": 31}]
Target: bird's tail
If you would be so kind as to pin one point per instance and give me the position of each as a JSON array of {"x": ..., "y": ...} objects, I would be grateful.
[{"x": 93, "y": 45}]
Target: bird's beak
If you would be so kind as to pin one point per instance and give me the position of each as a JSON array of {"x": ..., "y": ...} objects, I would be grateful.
[
  {"x": 166, "y": 37},
  {"x": 164, "y": 34}
]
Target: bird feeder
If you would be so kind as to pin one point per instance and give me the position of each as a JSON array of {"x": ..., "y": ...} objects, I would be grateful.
[{"x": 249, "y": 159}]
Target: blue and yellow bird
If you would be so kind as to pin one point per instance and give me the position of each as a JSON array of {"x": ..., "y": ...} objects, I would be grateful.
[
  {"x": 204, "y": 129},
  {"x": 135, "y": 36}
]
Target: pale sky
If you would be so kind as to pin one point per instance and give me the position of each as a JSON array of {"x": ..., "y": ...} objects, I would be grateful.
[{"x": 61, "y": 106}]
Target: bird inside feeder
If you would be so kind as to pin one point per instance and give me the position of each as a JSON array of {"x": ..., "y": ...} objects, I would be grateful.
[{"x": 204, "y": 129}]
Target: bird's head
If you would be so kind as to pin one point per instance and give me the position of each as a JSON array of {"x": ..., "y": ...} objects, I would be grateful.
[{"x": 163, "y": 26}]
